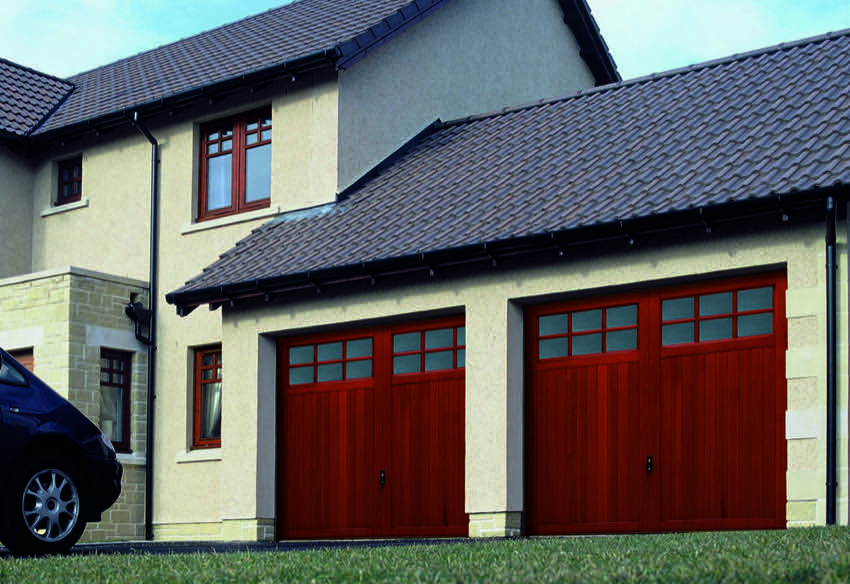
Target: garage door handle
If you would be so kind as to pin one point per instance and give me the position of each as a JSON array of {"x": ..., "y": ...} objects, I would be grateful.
[
  {"x": 648, "y": 464},
  {"x": 382, "y": 478}
]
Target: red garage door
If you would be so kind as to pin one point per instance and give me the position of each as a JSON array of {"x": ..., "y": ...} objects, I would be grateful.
[
  {"x": 658, "y": 410},
  {"x": 371, "y": 433}
]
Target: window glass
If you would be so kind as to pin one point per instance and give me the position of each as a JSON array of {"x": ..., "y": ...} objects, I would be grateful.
[
  {"x": 358, "y": 348},
  {"x": 553, "y": 348},
  {"x": 750, "y": 325},
  {"x": 715, "y": 329},
  {"x": 329, "y": 372},
  {"x": 587, "y": 344},
  {"x": 461, "y": 358},
  {"x": 677, "y": 308},
  {"x": 406, "y": 364},
  {"x": 407, "y": 342},
  {"x": 677, "y": 334},
  {"x": 358, "y": 369},
  {"x": 587, "y": 320},
  {"x": 8, "y": 374},
  {"x": 711, "y": 304},
  {"x": 300, "y": 375},
  {"x": 329, "y": 352},
  {"x": 210, "y": 411},
  {"x": 757, "y": 299},
  {"x": 114, "y": 397},
  {"x": 208, "y": 377},
  {"x": 258, "y": 173},
  {"x": 219, "y": 182},
  {"x": 439, "y": 361},
  {"x": 557, "y": 324},
  {"x": 439, "y": 338},
  {"x": 621, "y": 340},
  {"x": 620, "y": 316},
  {"x": 300, "y": 355}
]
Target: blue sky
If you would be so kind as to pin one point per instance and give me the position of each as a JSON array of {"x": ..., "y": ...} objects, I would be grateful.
[{"x": 63, "y": 37}]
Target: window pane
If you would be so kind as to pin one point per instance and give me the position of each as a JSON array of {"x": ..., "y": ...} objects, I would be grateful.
[
  {"x": 227, "y": 146},
  {"x": 105, "y": 377},
  {"x": 332, "y": 372},
  {"x": 266, "y": 135},
  {"x": 358, "y": 348},
  {"x": 461, "y": 336},
  {"x": 621, "y": 316},
  {"x": 251, "y": 139},
  {"x": 461, "y": 358},
  {"x": 330, "y": 352},
  {"x": 300, "y": 375},
  {"x": 677, "y": 308},
  {"x": 211, "y": 411},
  {"x": 251, "y": 126},
  {"x": 299, "y": 355},
  {"x": 407, "y": 342},
  {"x": 439, "y": 339},
  {"x": 755, "y": 324},
  {"x": 677, "y": 334},
  {"x": 110, "y": 412},
  {"x": 715, "y": 304},
  {"x": 207, "y": 359},
  {"x": 212, "y": 148},
  {"x": 258, "y": 173},
  {"x": 587, "y": 344},
  {"x": 587, "y": 321},
  {"x": 621, "y": 340},
  {"x": 758, "y": 299},
  {"x": 718, "y": 328},
  {"x": 358, "y": 369},
  {"x": 218, "y": 182},
  {"x": 552, "y": 348},
  {"x": 406, "y": 364},
  {"x": 553, "y": 325},
  {"x": 439, "y": 361}
]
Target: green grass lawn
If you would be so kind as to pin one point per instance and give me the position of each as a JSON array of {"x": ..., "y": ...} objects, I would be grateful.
[{"x": 798, "y": 555}]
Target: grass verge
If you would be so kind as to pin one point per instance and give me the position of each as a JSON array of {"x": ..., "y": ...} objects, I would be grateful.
[{"x": 798, "y": 555}]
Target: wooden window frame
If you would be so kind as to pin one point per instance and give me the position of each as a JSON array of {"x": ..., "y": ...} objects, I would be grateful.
[
  {"x": 75, "y": 166},
  {"x": 122, "y": 444},
  {"x": 238, "y": 151},
  {"x": 199, "y": 442}
]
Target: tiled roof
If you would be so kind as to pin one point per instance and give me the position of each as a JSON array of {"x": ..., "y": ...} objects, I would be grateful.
[
  {"x": 753, "y": 126},
  {"x": 27, "y": 97},
  {"x": 275, "y": 37}
]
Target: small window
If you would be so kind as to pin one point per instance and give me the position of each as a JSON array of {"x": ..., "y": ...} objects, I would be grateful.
[
  {"x": 10, "y": 374},
  {"x": 731, "y": 314},
  {"x": 207, "y": 398},
  {"x": 115, "y": 377},
  {"x": 236, "y": 164},
  {"x": 327, "y": 362},
  {"x": 429, "y": 350},
  {"x": 70, "y": 181},
  {"x": 587, "y": 332}
]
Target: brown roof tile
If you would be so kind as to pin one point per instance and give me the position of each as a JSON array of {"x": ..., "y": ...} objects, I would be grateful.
[{"x": 753, "y": 126}]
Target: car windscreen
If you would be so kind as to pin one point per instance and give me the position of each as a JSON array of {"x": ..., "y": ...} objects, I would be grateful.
[{"x": 10, "y": 374}]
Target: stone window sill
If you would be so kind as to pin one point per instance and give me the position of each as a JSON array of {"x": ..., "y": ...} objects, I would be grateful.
[{"x": 81, "y": 204}]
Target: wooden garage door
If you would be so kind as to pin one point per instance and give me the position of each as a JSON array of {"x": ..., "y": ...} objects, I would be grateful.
[
  {"x": 658, "y": 410},
  {"x": 371, "y": 432}
]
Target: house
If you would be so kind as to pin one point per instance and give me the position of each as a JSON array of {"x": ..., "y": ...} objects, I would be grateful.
[{"x": 122, "y": 182}]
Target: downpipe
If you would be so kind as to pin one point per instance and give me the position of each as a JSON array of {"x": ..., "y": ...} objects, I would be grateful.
[
  {"x": 153, "y": 281},
  {"x": 831, "y": 362}
]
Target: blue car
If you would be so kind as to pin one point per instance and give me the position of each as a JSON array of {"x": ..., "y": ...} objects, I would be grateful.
[{"x": 58, "y": 471}]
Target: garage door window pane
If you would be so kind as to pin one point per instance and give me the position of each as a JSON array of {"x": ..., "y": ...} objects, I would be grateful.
[
  {"x": 461, "y": 358},
  {"x": 677, "y": 334},
  {"x": 588, "y": 320},
  {"x": 406, "y": 364},
  {"x": 439, "y": 339},
  {"x": 553, "y": 348},
  {"x": 621, "y": 316},
  {"x": 711, "y": 304},
  {"x": 758, "y": 299},
  {"x": 407, "y": 342},
  {"x": 587, "y": 344},
  {"x": 330, "y": 352},
  {"x": 439, "y": 361},
  {"x": 461, "y": 336},
  {"x": 359, "y": 348},
  {"x": 358, "y": 369},
  {"x": 755, "y": 324},
  {"x": 556, "y": 324},
  {"x": 300, "y": 375},
  {"x": 301, "y": 355},
  {"x": 331, "y": 372},
  {"x": 621, "y": 340},
  {"x": 715, "y": 329},
  {"x": 677, "y": 309}
]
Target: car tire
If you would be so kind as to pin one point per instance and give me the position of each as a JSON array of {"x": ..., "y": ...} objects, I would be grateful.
[{"x": 44, "y": 506}]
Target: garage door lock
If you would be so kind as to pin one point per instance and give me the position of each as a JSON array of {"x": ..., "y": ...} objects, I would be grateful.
[
  {"x": 382, "y": 478},
  {"x": 649, "y": 464}
]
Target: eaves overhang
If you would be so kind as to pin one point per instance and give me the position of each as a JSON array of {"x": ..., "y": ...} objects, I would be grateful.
[
  {"x": 592, "y": 46},
  {"x": 551, "y": 246}
]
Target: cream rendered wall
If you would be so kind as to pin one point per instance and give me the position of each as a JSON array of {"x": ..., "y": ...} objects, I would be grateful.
[
  {"x": 492, "y": 305},
  {"x": 16, "y": 177},
  {"x": 108, "y": 230},
  {"x": 193, "y": 489},
  {"x": 468, "y": 57}
]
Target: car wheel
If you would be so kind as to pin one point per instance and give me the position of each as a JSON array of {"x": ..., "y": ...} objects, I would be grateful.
[{"x": 44, "y": 507}]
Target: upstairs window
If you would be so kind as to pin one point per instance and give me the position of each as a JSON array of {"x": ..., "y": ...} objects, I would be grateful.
[
  {"x": 70, "y": 181},
  {"x": 236, "y": 156}
]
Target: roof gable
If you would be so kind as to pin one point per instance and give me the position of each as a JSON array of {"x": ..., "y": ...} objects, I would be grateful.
[
  {"x": 774, "y": 122},
  {"x": 27, "y": 97}
]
